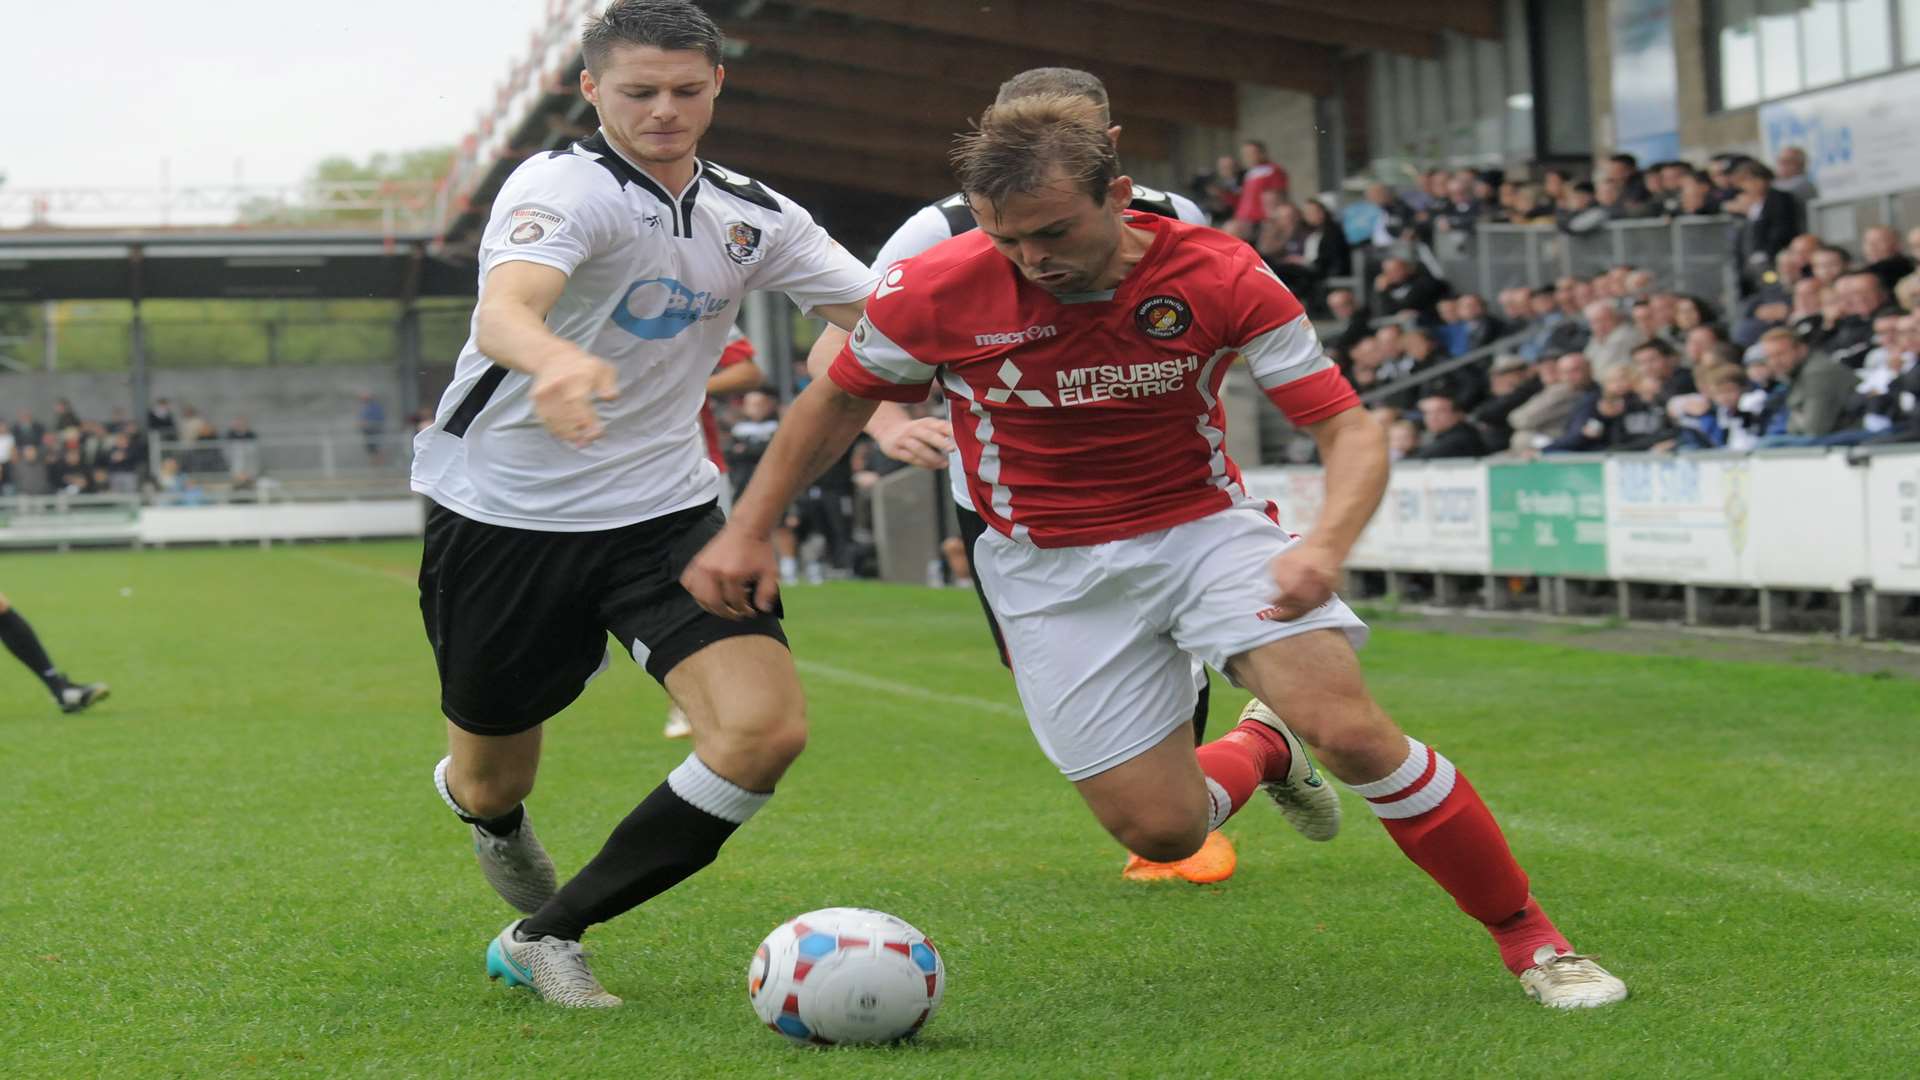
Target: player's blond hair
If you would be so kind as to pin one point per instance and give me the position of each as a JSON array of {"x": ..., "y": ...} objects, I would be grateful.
[{"x": 1032, "y": 143}]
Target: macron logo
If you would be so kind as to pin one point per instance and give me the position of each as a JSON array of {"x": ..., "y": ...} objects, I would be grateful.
[{"x": 1031, "y": 333}]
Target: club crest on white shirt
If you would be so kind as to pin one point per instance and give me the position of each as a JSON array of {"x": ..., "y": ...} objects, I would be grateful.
[{"x": 743, "y": 243}]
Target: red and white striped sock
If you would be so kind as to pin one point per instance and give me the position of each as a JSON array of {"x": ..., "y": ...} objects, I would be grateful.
[
  {"x": 1438, "y": 819},
  {"x": 1236, "y": 762}
]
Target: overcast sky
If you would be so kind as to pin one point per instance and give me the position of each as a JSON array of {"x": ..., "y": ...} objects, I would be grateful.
[{"x": 100, "y": 93}]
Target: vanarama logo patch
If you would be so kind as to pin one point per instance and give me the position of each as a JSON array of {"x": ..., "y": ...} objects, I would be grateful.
[
  {"x": 1016, "y": 337},
  {"x": 1163, "y": 317},
  {"x": 532, "y": 224}
]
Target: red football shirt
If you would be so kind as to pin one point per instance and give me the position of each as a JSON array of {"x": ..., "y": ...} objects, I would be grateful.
[
  {"x": 739, "y": 350},
  {"x": 1082, "y": 420},
  {"x": 1261, "y": 178}
]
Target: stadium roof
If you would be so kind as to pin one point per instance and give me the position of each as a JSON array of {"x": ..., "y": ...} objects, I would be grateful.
[
  {"x": 238, "y": 265},
  {"x": 850, "y": 105}
]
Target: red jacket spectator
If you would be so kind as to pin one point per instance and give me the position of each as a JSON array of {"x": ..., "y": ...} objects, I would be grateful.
[{"x": 1263, "y": 175}]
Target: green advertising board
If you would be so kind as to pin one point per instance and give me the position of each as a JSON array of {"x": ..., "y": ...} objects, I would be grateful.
[{"x": 1549, "y": 518}]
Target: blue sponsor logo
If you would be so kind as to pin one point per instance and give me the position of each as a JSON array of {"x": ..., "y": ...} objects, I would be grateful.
[{"x": 660, "y": 308}]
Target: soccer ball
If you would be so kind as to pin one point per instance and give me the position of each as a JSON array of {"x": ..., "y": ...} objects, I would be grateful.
[{"x": 846, "y": 975}]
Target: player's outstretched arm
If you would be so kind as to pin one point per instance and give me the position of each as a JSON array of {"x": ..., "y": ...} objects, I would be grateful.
[
  {"x": 923, "y": 442},
  {"x": 1353, "y": 447},
  {"x": 510, "y": 327},
  {"x": 737, "y": 574}
]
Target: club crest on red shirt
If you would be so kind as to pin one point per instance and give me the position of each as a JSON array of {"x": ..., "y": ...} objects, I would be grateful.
[{"x": 1163, "y": 317}]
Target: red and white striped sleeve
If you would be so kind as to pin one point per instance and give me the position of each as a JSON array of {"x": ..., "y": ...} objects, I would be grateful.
[
  {"x": 1283, "y": 353},
  {"x": 874, "y": 364}
]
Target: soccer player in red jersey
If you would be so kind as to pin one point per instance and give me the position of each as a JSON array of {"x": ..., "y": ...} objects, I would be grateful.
[{"x": 1088, "y": 346}]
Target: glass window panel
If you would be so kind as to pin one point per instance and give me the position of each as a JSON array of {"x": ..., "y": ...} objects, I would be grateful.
[
  {"x": 1739, "y": 54},
  {"x": 1519, "y": 87},
  {"x": 1823, "y": 43},
  {"x": 1869, "y": 36},
  {"x": 1910, "y": 31},
  {"x": 1457, "y": 58},
  {"x": 1779, "y": 48}
]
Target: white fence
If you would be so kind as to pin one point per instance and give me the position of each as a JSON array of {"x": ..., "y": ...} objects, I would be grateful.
[
  {"x": 85, "y": 521},
  {"x": 1788, "y": 520}
]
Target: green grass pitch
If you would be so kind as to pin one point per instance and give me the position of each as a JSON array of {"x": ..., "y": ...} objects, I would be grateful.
[{"x": 238, "y": 867}]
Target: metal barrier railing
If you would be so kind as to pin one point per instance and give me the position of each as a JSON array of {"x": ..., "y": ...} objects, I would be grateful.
[
  {"x": 326, "y": 456},
  {"x": 1688, "y": 255}
]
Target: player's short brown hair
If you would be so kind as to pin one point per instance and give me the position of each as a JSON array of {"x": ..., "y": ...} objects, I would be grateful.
[
  {"x": 1027, "y": 144},
  {"x": 1072, "y": 82},
  {"x": 671, "y": 25}
]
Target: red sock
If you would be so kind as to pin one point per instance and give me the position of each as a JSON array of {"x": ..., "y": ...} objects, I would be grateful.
[
  {"x": 1236, "y": 762},
  {"x": 1439, "y": 821}
]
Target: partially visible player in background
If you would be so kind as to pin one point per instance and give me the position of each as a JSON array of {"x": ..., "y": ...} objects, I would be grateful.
[
  {"x": 23, "y": 643},
  {"x": 735, "y": 373},
  {"x": 928, "y": 442}
]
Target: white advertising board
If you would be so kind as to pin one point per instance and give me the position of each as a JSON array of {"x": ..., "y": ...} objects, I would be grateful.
[
  {"x": 1893, "y": 522},
  {"x": 1809, "y": 521},
  {"x": 1685, "y": 519},
  {"x": 1860, "y": 138}
]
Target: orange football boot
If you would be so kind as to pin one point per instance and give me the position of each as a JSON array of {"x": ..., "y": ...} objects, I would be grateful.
[{"x": 1215, "y": 861}]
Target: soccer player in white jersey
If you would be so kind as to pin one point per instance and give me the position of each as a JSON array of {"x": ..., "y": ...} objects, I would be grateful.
[
  {"x": 571, "y": 484},
  {"x": 928, "y": 442},
  {"x": 1122, "y": 541}
]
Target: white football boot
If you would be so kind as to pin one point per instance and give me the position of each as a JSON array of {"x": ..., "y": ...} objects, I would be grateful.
[
  {"x": 1304, "y": 797},
  {"x": 552, "y": 967},
  {"x": 1570, "y": 981},
  {"x": 516, "y": 865}
]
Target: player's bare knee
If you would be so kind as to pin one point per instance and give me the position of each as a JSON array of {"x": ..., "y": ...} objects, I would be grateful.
[
  {"x": 1359, "y": 742},
  {"x": 753, "y": 747}
]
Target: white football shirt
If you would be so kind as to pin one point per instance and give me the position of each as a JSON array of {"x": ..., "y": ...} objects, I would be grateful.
[
  {"x": 948, "y": 218},
  {"x": 654, "y": 280}
]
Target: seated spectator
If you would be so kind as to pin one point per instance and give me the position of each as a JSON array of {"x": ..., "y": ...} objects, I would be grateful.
[
  {"x": 1363, "y": 365},
  {"x": 1659, "y": 360},
  {"x": 1552, "y": 331},
  {"x": 1692, "y": 196},
  {"x": 1460, "y": 211},
  {"x": 1473, "y": 328},
  {"x": 1324, "y": 251},
  {"x": 1544, "y": 416},
  {"x": 1880, "y": 248},
  {"x": 748, "y": 439},
  {"x": 1880, "y": 375},
  {"x": 1612, "y": 417},
  {"x": 175, "y": 488},
  {"x": 1610, "y": 342},
  {"x": 31, "y": 476},
  {"x": 1820, "y": 398},
  {"x": 1405, "y": 287},
  {"x": 1448, "y": 433},
  {"x": 1723, "y": 417},
  {"x": 1515, "y": 311},
  {"x": 64, "y": 418},
  {"x": 1578, "y": 213},
  {"x": 1901, "y": 406},
  {"x": 1813, "y": 308},
  {"x": 1393, "y": 220},
  {"x": 1611, "y": 196},
  {"x": 1403, "y": 440},
  {"x": 1827, "y": 263},
  {"x": 1847, "y": 339},
  {"x": 123, "y": 466},
  {"x": 1623, "y": 169},
  {"x": 1421, "y": 352},
  {"x": 71, "y": 475},
  {"x": 1512, "y": 383},
  {"x": 1218, "y": 192},
  {"x": 1354, "y": 324},
  {"x": 1554, "y": 185}
]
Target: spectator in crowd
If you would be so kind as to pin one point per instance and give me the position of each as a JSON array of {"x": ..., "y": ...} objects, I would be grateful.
[
  {"x": 1820, "y": 398},
  {"x": 1848, "y": 338},
  {"x": 1902, "y": 408},
  {"x": 748, "y": 439},
  {"x": 1281, "y": 240},
  {"x": 1611, "y": 196},
  {"x": 1218, "y": 192},
  {"x": 1826, "y": 263},
  {"x": 161, "y": 422},
  {"x": 31, "y": 476},
  {"x": 123, "y": 466},
  {"x": 1393, "y": 220},
  {"x": 1345, "y": 309},
  {"x": 1692, "y": 196},
  {"x": 1610, "y": 341},
  {"x": 1472, "y": 327},
  {"x": 1880, "y": 377},
  {"x": 1624, "y": 169},
  {"x": 1790, "y": 176},
  {"x": 1772, "y": 221},
  {"x": 1579, "y": 211},
  {"x": 1612, "y": 417},
  {"x": 1906, "y": 295},
  {"x": 1461, "y": 210},
  {"x": 1512, "y": 383},
  {"x": 1448, "y": 433},
  {"x": 1324, "y": 252},
  {"x": 371, "y": 422},
  {"x": 1723, "y": 417},
  {"x": 1405, "y": 287},
  {"x": 1363, "y": 365},
  {"x": 71, "y": 476},
  {"x": 1880, "y": 248},
  {"x": 1262, "y": 175},
  {"x": 1554, "y": 185},
  {"x": 1656, "y": 359},
  {"x": 1544, "y": 416},
  {"x": 1546, "y": 327},
  {"x": 64, "y": 418},
  {"x": 1403, "y": 439}
]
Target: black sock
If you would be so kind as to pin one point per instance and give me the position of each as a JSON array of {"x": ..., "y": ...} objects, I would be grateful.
[
  {"x": 1200, "y": 712},
  {"x": 504, "y": 825},
  {"x": 663, "y": 842},
  {"x": 21, "y": 642}
]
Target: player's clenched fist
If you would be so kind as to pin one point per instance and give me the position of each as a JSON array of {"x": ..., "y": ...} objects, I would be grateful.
[
  {"x": 565, "y": 391},
  {"x": 1306, "y": 577},
  {"x": 735, "y": 576}
]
